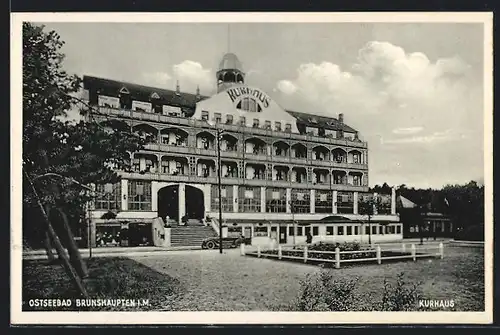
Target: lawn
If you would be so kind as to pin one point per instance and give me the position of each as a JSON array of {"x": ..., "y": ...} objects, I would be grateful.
[
  {"x": 230, "y": 282},
  {"x": 113, "y": 278}
]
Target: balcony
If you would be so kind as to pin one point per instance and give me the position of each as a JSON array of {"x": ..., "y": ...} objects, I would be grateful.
[{"x": 153, "y": 117}]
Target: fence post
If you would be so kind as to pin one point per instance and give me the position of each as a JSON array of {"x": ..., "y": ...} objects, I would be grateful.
[
  {"x": 258, "y": 251},
  {"x": 337, "y": 258},
  {"x": 441, "y": 250},
  {"x": 242, "y": 249},
  {"x": 305, "y": 253},
  {"x": 403, "y": 248},
  {"x": 413, "y": 252},
  {"x": 379, "y": 255},
  {"x": 279, "y": 251}
]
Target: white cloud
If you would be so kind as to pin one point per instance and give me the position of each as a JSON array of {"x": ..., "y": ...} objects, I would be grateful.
[
  {"x": 407, "y": 131},
  {"x": 386, "y": 93},
  {"x": 158, "y": 79},
  {"x": 287, "y": 87},
  {"x": 192, "y": 74}
]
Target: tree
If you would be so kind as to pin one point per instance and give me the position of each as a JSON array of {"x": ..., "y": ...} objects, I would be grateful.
[
  {"x": 368, "y": 207},
  {"x": 62, "y": 155}
]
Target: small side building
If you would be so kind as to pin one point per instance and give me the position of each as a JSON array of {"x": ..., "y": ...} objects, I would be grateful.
[{"x": 418, "y": 221}]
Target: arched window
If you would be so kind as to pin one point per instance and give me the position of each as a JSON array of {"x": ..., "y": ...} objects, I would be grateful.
[{"x": 249, "y": 105}]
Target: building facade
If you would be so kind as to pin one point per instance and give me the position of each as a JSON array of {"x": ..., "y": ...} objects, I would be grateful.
[{"x": 278, "y": 167}]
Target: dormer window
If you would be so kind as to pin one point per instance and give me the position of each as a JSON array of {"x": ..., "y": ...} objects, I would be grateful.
[
  {"x": 204, "y": 115},
  {"x": 255, "y": 123},
  {"x": 288, "y": 128},
  {"x": 277, "y": 126},
  {"x": 267, "y": 125},
  {"x": 243, "y": 121},
  {"x": 217, "y": 118},
  {"x": 229, "y": 119}
]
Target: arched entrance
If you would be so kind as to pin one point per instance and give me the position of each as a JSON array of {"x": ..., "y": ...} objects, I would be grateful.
[
  {"x": 195, "y": 207},
  {"x": 168, "y": 202}
]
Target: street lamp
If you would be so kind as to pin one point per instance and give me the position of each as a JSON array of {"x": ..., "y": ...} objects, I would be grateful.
[{"x": 219, "y": 133}]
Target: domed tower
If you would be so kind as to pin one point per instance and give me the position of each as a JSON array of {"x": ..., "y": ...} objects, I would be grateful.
[{"x": 230, "y": 72}]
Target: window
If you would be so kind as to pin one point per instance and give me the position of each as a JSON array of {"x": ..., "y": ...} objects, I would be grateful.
[
  {"x": 227, "y": 198},
  {"x": 108, "y": 196},
  {"x": 267, "y": 124},
  {"x": 291, "y": 231},
  {"x": 329, "y": 230},
  {"x": 340, "y": 230},
  {"x": 243, "y": 121},
  {"x": 139, "y": 195},
  {"x": 260, "y": 231},
  {"x": 255, "y": 123},
  {"x": 381, "y": 230},
  {"x": 217, "y": 118},
  {"x": 277, "y": 125},
  {"x": 249, "y": 199},
  {"x": 204, "y": 115},
  {"x": 288, "y": 127},
  {"x": 323, "y": 201},
  {"x": 300, "y": 231},
  {"x": 301, "y": 201},
  {"x": 356, "y": 230},
  {"x": 315, "y": 231},
  {"x": 275, "y": 200},
  {"x": 398, "y": 229},
  {"x": 229, "y": 119},
  {"x": 367, "y": 230},
  {"x": 374, "y": 230},
  {"x": 307, "y": 230},
  {"x": 136, "y": 165},
  {"x": 349, "y": 230}
]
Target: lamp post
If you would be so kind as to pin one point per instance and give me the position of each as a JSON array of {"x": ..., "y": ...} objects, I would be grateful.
[{"x": 219, "y": 173}]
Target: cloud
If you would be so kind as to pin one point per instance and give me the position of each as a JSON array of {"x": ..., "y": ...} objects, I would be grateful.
[
  {"x": 191, "y": 74},
  {"x": 287, "y": 87},
  {"x": 407, "y": 131},
  {"x": 391, "y": 95},
  {"x": 158, "y": 79}
]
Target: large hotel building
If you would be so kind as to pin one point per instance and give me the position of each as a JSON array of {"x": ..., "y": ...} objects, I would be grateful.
[{"x": 283, "y": 172}]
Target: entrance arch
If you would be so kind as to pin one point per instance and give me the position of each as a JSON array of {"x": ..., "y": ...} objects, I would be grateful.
[
  {"x": 175, "y": 202},
  {"x": 168, "y": 202},
  {"x": 195, "y": 204}
]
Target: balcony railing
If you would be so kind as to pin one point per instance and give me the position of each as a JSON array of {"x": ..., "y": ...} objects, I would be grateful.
[{"x": 228, "y": 127}]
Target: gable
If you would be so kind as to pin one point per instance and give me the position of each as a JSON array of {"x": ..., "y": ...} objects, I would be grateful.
[{"x": 245, "y": 101}]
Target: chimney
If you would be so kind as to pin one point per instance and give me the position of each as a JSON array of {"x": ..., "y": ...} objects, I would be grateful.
[{"x": 341, "y": 118}]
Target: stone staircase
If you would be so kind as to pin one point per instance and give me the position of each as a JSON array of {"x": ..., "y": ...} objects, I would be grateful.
[{"x": 191, "y": 234}]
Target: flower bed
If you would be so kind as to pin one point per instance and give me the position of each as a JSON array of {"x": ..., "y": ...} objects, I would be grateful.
[{"x": 325, "y": 254}]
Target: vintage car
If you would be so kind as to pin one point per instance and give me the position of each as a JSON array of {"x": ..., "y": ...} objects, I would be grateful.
[{"x": 227, "y": 242}]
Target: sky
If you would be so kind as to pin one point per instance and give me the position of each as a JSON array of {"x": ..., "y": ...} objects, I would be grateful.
[{"x": 414, "y": 91}]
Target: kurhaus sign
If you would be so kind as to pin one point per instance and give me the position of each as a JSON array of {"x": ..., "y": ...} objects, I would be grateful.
[{"x": 240, "y": 92}]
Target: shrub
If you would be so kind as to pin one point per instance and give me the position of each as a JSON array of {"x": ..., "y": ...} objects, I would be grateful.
[
  {"x": 401, "y": 297},
  {"x": 321, "y": 291}
]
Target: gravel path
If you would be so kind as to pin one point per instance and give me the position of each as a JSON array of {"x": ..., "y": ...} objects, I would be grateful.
[
  {"x": 226, "y": 282},
  {"x": 230, "y": 282}
]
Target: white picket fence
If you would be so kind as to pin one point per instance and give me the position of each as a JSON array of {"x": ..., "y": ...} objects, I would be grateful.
[{"x": 303, "y": 253}]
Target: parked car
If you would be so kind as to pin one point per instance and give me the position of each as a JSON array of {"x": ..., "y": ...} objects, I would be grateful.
[{"x": 227, "y": 242}]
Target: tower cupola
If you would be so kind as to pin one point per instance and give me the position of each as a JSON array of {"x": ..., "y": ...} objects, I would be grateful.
[{"x": 230, "y": 72}]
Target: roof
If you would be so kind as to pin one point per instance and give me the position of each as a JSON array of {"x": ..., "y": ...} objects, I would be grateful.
[
  {"x": 188, "y": 100},
  {"x": 326, "y": 122},
  {"x": 230, "y": 62},
  {"x": 141, "y": 92},
  {"x": 402, "y": 202}
]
